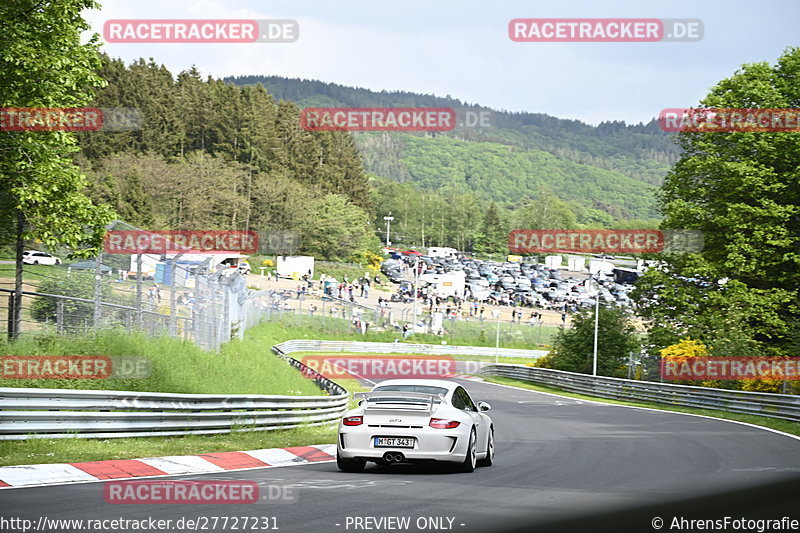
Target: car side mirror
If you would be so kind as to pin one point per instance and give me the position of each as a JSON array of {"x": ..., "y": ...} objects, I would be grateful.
[{"x": 483, "y": 406}]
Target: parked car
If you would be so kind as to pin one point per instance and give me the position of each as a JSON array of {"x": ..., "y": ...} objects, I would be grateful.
[{"x": 33, "y": 257}]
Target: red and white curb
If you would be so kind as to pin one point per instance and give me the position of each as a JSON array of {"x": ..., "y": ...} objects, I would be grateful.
[{"x": 208, "y": 463}]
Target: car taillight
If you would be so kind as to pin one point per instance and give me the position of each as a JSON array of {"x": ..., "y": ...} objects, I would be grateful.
[
  {"x": 441, "y": 423},
  {"x": 353, "y": 420}
]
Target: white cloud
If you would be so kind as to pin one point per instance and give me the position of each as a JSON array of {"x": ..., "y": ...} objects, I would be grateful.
[{"x": 462, "y": 49}]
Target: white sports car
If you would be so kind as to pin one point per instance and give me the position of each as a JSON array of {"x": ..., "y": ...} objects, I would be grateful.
[
  {"x": 416, "y": 420},
  {"x": 33, "y": 257}
]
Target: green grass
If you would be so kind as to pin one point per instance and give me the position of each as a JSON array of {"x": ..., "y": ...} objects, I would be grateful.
[
  {"x": 33, "y": 272},
  {"x": 466, "y": 333},
  {"x": 241, "y": 367},
  {"x": 773, "y": 423},
  {"x": 39, "y": 451}
]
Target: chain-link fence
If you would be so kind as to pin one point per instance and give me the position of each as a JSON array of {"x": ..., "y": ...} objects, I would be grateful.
[
  {"x": 201, "y": 297},
  {"x": 205, "y": 298},
  {"x": 324, "y": 313}
]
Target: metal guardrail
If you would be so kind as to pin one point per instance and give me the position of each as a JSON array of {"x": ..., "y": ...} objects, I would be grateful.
[
  {"x": 59, "y": 413},
  {"x": 398, "y": 347},
  {"x": 784, "y": 406}
]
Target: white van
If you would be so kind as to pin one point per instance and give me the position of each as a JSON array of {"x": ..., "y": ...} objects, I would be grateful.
[{"x": 443, "y": 252}]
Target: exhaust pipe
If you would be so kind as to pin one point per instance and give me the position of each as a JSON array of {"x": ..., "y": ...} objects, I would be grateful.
[{"x": 390, "y": 457}]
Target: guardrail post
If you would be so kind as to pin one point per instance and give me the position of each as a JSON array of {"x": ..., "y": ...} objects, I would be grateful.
[
  {"x": 213, "y": 325},
  {"x": 98, "y": 290},
  {"x": 139, "y": 317},
  {"x": 59, "y": 315},
  {"x": 226, "y": 315},
  {"x": 11, "y": 330},
  {"x": 173, "y": 304}
]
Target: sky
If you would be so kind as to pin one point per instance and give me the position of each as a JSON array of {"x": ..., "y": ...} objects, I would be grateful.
[{"x": 462, "y": 49}]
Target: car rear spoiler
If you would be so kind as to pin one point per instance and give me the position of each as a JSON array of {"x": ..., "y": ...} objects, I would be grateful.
[{"x": 393, "y": 400}]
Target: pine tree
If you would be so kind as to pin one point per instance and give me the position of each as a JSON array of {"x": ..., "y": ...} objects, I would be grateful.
[{"x": 493, "y": 238}]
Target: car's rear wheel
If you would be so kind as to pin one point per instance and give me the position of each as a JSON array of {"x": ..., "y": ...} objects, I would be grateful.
[
  {"x": 489, "y": 459},
  {"x": 350, "y": 465},
  {"x": 470, "y": 461}
]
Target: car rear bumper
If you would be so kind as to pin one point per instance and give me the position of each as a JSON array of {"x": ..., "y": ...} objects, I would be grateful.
[{"x": 443, "y": 445}]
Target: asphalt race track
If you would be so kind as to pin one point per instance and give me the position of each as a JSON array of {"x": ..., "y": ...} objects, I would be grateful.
[{"x": 557, "y": 459}]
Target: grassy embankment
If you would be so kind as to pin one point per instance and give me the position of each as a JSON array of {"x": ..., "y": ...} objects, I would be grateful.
[
  {"x": 464, "y": 333},
  {"x": 242, "y": 367}
]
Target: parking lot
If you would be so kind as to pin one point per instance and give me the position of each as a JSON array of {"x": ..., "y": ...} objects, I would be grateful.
[{"x": 522, "y": 292}]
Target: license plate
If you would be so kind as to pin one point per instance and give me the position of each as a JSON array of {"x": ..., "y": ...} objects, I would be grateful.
[{"x": 394, "y": 442}]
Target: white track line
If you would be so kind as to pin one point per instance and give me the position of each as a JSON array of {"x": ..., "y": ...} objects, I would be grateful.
[{"x": 665, "y": 410}]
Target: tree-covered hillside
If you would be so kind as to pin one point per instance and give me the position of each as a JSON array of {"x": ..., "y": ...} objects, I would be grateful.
[
  {"x": 586, "y": 164},
  {"x": 507, "y": 173},
  {"x": 210, "y": 155}
]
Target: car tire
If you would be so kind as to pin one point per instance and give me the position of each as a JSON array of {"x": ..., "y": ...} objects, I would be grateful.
[
  {"x": 470, "y": 461},
  {"x": 58, "y": 261},
  {"x": 489, "y": 459},
  {"x": 350, "y": 465},
  {"x": 35, "y": 262}
]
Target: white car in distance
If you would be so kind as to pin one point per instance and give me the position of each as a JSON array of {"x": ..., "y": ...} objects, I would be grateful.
[
  {"x": 33, "y": 257},
  {"x": 413, "y": 421}
]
